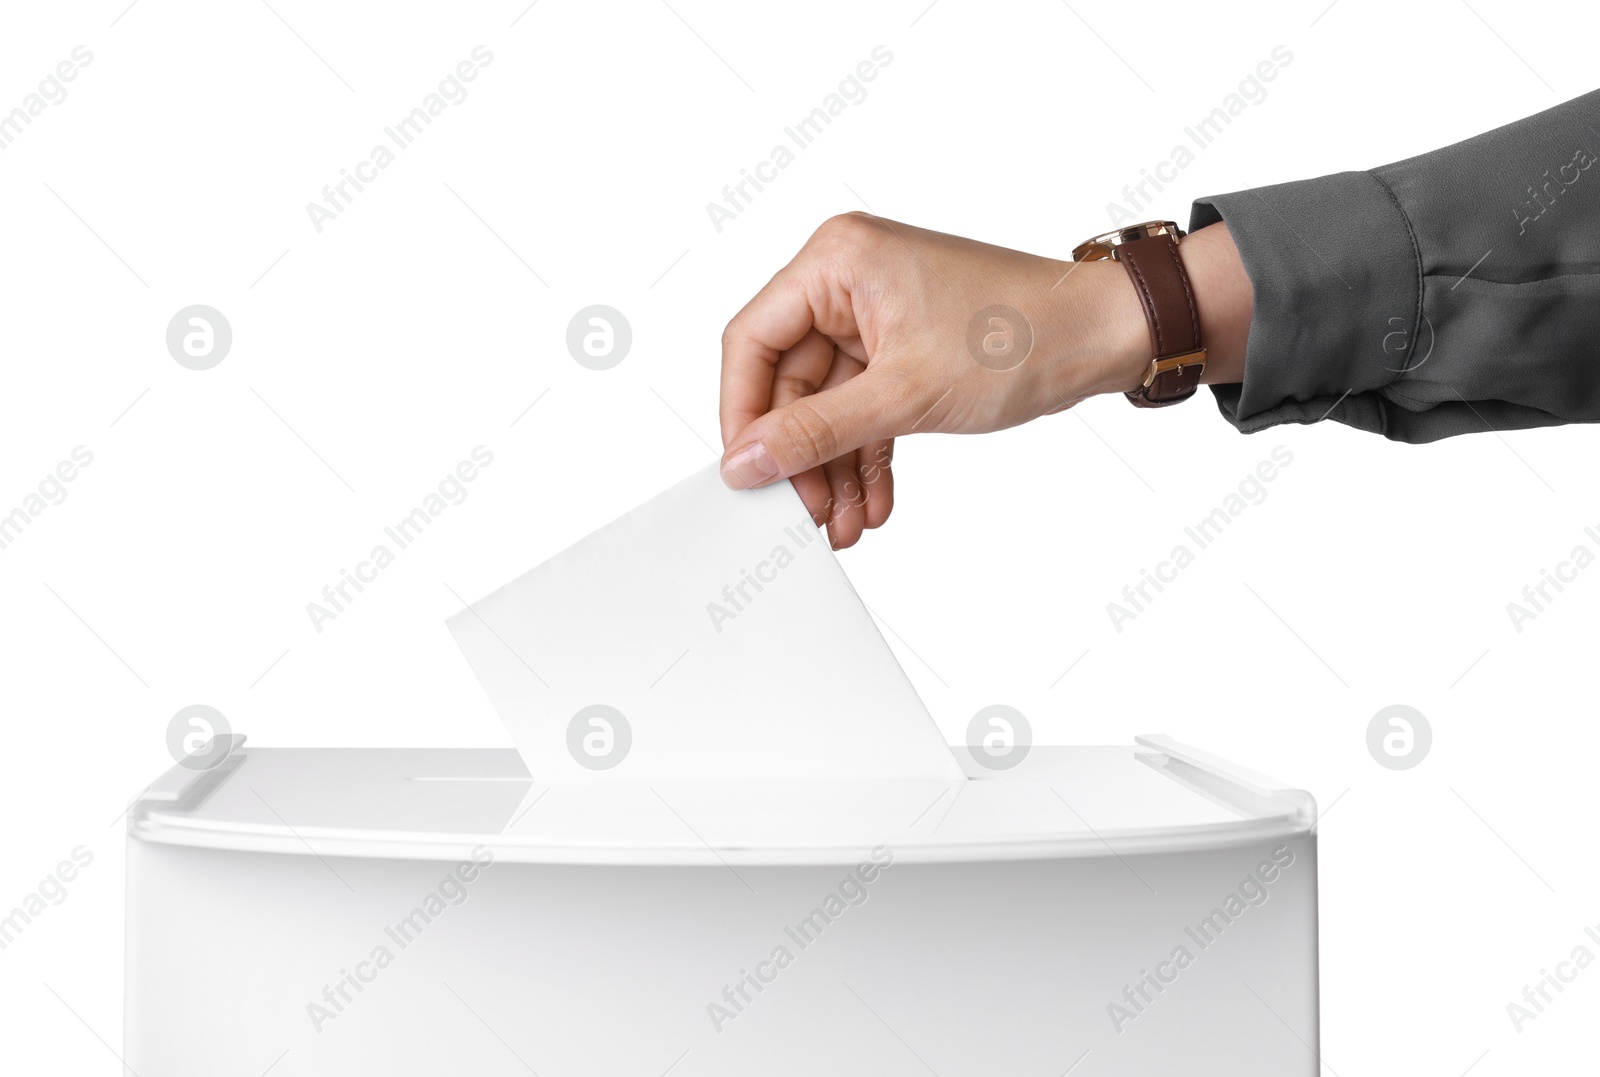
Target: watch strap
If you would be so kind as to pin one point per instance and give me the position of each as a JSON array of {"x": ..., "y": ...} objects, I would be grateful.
[{"x": 1164, "y": 292}]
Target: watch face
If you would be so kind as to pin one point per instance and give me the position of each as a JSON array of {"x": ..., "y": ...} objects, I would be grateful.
[{"x": 1105, "y": 244}]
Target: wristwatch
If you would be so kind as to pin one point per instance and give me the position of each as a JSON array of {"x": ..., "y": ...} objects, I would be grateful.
[{"x": 1149, "y": 252}]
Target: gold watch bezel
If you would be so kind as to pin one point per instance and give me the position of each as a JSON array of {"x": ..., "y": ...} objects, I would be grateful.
[{"x": 1105, "y": 244}]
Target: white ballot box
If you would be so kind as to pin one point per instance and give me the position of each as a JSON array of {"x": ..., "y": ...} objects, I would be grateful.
[{"x": 1129, "y": 910}]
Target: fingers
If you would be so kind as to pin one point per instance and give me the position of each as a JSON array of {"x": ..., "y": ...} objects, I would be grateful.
[
  {"x": 862, "y": 487},
  {"x": 878, "y": 480},
  {"x": 813, "y": 488},
  {"x": 813, "y": 430},
  {"x": 846, "y": 510},
  {"x": 854, "y": 491},
  {"x": 800, "y": 372},
  {"x": 861, "y": 492},
  {"x": 811, "y": 292},
  {"x": 775, "y": 320},
  {"x": 847, "y": 502}
]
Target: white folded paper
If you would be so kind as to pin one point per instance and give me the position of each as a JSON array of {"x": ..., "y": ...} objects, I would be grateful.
[{"x": 706, "y": 635}]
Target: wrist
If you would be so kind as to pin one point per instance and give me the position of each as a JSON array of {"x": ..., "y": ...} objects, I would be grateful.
[
  {"x": 1224, "y": 299},
  {"x": 1118, "y": 330},
  {"x": 1109, "y": 349}
]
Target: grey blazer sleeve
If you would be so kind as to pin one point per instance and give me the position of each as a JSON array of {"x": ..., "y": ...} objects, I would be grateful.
[{"x": 1450, "y": 293}]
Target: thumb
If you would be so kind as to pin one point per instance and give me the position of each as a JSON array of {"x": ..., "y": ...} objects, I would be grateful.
[{"x": 814, "y": 430}]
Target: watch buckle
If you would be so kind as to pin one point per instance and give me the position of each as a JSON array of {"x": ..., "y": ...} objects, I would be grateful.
[{"x": 1175, "y": 362}]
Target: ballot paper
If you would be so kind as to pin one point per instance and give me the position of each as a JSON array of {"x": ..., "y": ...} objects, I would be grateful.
[{"x": 708, "y": 634}]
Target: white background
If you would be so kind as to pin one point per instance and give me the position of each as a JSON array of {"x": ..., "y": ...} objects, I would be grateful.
[{"x": 427, "y": 318}]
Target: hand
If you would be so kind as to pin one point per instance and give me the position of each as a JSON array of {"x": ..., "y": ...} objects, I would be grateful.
[{"x": 878, "y": 329}]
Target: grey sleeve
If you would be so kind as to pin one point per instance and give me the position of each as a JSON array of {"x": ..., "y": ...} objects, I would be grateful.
[{"x": 1454, "y": 292}]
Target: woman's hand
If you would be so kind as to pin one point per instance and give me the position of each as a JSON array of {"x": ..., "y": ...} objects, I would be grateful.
[{"x": 878, "y": 329}]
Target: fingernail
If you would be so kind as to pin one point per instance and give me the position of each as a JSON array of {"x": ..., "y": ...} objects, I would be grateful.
[{"x": 749, "y": 467}]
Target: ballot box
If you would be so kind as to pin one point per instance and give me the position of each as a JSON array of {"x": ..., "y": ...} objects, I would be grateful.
[{"x": 1108, "y": 910}]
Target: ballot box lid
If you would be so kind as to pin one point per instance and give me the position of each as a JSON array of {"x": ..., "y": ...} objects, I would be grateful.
[{"x": 1154, "y": 796}]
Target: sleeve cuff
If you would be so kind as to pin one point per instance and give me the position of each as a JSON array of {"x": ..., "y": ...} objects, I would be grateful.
[{"x": 1338, "y": 285}]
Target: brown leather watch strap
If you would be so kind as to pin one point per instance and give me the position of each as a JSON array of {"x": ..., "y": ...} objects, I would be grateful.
[{"x": 1158, "y": 277}]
